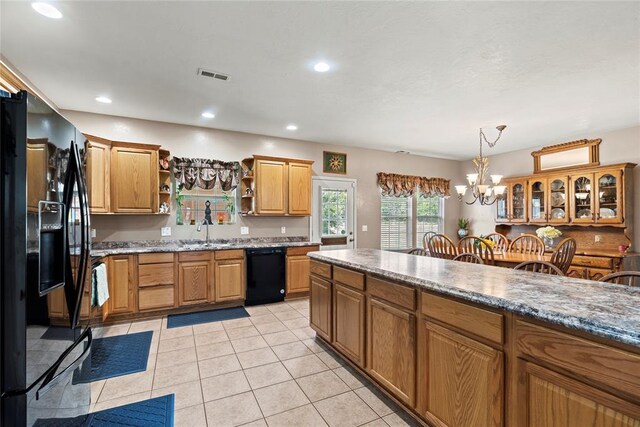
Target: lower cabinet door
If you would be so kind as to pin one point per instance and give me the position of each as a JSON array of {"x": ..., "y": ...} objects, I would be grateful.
[
  {"x": 297, "y": 273},
  {"x": 391, "y": 338},
  {"x": 229, "y": 280},
  {"x": 464, "y": 380},
  {"x": 121, "y": 277},
  {"x": 194, "y": 278},
  {"x": 348, "y": 322},
  {"x": 553, "y": 400},
  {"x": 320, "y": 307}
]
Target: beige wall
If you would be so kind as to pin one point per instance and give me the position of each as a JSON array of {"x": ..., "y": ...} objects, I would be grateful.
[
  {"x": 617, "y": 147},
  {"x": 189, "y": 141}
]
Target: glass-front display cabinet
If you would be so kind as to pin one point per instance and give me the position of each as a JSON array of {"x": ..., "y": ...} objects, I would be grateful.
[
  {"x": 537, "y": 200},
  {"x": 558, "y": 203},
  {"x": 502, "y": 207},
  {"x": 609, "y": 197},
  {"x": 517, "y": 205},
  {"x": 582, "y": 198}
]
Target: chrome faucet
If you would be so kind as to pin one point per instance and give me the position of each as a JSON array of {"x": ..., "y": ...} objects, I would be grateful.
[{"x": 205, "y": 222}]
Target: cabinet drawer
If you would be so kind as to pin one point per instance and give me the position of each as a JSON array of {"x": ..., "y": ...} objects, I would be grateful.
[
  {"x": 155, "y": 274},
  {"x": 302, "y": 250},
  {"x": 321, "y": 269},
  {"x": 590, "y": 261},
  {"x": 349, "y": 277},
  {"x": 194, "y": 256},
  {"x": 155, "y": 298},
  {"x": 477, "y": 321},
  {"x": 599, "y": 363},
  {"x": 155, "y": 258},
  {"x": 396, "y": 294},
  {"x": 230, "y": 254}
]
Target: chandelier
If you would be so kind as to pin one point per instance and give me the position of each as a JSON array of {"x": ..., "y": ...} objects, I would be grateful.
[{"x": 486, "y": 194}]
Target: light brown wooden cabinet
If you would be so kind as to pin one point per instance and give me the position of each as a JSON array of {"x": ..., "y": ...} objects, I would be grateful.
[
  {"x": 516, "y": 202},
  {"x": 276, "y": 186},
  {"x": 37, "y": 169},
  {"x": 320, "y": 308},
  {"x": 298, "y": 270},
  {"x": 391, "y": 343},
  {"x": 348, "y": 322},
  {"x": 156, "y": 281},
  {"x": 134, "y": 179},
  {"x": 194, "y": 278},
  {"x": 122, "y": 284},
  {"x": 229, "y": 280},
  {"x": 464, "y": 379},
  {"x": 98, "y": 167}
]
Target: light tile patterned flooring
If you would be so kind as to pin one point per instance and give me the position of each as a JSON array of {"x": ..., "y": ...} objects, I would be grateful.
[{"x": 267, "y": 369}]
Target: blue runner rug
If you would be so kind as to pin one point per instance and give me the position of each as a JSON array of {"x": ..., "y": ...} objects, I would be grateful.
[
  {"x": 156, "y": 412},
  {"x": 116, "y": 356},
  {"x": 187, "y": 319}
]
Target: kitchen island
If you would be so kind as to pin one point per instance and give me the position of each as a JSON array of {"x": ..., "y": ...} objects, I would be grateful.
[{"x": 461, "y": 344}]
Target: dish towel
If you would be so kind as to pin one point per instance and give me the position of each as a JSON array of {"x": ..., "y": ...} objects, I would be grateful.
[{"x": 99, "y": 285}]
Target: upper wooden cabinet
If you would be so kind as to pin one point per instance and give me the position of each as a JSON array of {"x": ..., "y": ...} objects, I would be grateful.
[
  {"x": 585, "y": 196},
  {"x": 275, "y": 186},
  {"x": 122, "y": 177},
  {"x": 39, "y": 172}
]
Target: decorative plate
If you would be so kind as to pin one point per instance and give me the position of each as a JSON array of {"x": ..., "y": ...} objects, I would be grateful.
[
  {"x": 607, "y": 213},
  {"x": 557, "y": 186},
  {"x": 557, "y": 199},
  {"x": 584, "y": 213},
  {"x": 557, "y": 213}
]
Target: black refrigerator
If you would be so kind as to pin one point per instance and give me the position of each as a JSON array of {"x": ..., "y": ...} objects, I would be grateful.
[{"x": 45, "y": 245}]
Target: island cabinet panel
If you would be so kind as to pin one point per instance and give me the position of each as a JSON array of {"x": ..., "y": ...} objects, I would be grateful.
[
  {"x": 194, "y": 280},
  {"x": 348, "y": 322},
  {"x": 321, "y": 307},
  {"x": 122, "y": 284},
  {"x": 229, "y": 280},
  {"x": 271, "y": 197},
  {"x": 464, "y": 379},
  {"x": 391, "y": 339},
  {"x": 134, "y": 180},
  {"x": 321, "y": 269},
  {"x": 554, "y": 400}
]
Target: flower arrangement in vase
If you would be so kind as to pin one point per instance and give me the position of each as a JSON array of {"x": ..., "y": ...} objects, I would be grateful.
[
  {"x": 548, "y": 234},
  {"x": 485, "y": 242},
  {"x": 463, "y": 227}
]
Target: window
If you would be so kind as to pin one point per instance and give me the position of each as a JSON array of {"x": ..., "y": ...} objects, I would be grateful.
[
  {"x": 429, "y": 216},
  {"x": 193, "y": 205},
  {"x": 399, "y": 216},
  {"x": 395, "y": 222},
  {"x": 334, "y": 212}
]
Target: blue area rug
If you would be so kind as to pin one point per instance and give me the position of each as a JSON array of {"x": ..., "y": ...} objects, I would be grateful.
[
  {"x": 156, "y": 412},
  {"x": 187, "y": 319},
  {"x": 115, "y": 356}
]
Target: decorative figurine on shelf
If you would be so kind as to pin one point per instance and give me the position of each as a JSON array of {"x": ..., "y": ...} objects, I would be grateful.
[
  {"x": 164, "y": 163},
  {"x": 165, "y": 188},
  {"x": 249, "y": 192},
  {"x": 221, "y": 216},
  {"x": 207, "y": 212},
  {"x": 164, "y": 208}
]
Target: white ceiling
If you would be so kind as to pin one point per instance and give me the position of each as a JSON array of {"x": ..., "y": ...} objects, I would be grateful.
[{"x": 420, "y": 77}]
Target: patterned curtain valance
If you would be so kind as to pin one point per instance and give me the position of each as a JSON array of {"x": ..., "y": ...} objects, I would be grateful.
[
  {"x": 397, "y": 185},
  {"x": 203, "y": 173}
]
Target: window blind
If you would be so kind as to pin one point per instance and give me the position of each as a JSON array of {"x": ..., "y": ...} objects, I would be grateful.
[{"x": 395, "y": 222}]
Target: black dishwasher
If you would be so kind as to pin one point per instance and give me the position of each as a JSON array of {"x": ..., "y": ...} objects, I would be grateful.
[{"x": 265, "y": 275}]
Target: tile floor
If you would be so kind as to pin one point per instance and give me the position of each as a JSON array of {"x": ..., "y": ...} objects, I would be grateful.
[{"x": 265, "y": 370}]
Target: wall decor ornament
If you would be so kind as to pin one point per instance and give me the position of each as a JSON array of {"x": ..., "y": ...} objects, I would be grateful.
[{"x": 333, "y": 162}]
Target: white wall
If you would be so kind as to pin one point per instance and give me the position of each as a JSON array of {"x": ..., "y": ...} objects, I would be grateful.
[
  {"x": 618, "y": 146},
  {"x": 189, "y": 141}
]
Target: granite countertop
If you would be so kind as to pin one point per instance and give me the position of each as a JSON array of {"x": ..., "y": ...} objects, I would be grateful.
[
  {"x": 609, "y": 311},
  {"x": 148, "y": 246}
]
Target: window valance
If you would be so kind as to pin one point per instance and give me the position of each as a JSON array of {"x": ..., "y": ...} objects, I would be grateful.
[
  {"x": 206, "y": 173},
  {"x": 398, "y": 185}
]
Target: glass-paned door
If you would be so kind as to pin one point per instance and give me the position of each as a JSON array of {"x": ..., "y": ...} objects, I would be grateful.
[
  {"x": 582, "y": 198},
  {"x": 558, "y": 200},
  {"x": 609, "y": 197},
  {"x": 518, "y": 208},
  {"x": 537, "y": 200},
  {"x": 333, "y": 219},
  {"x": 502, "y": 208}
]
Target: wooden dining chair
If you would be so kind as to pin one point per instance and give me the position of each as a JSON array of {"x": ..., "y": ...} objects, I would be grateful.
[
  {"x": 440, "y": 246},
  {"x": 470, "y": 258},
  {"x": 563, "y": 254},
  {"x": 475, "y": 245},
  {"x": 539, "y": 267},
  {"x": 500, "y": 241},
  {"x": 418, "y": 251},
  {"x": 527, "y": 244},
  {"x": 425, "y": 239},
  {"x": 629, "y": 278}
]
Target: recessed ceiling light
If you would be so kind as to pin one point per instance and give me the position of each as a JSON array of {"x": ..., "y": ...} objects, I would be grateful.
[
  {"x": 292, "y": 127},
  {"x": 103, "y": 99},
  {"x": 46, "y": 9},
  {"x": 321, "y": 67},
  {"x": 208, "y": 115}
]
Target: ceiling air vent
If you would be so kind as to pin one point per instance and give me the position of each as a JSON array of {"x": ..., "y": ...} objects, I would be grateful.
[{"x": 212, "y": 74}]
